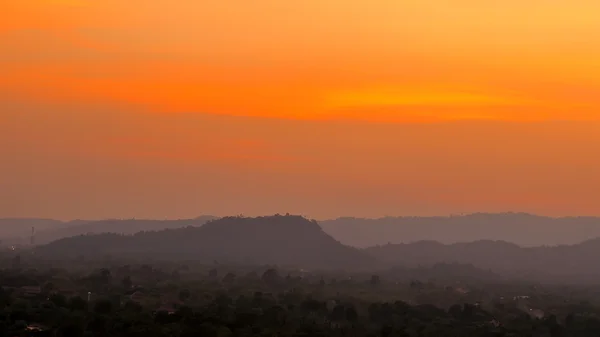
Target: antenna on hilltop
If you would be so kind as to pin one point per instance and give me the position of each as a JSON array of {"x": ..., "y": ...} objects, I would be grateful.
[{"x": 32, "y": 238}]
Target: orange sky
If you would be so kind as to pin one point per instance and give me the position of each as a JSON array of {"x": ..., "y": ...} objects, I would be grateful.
[{"x": 325, "y": 108}]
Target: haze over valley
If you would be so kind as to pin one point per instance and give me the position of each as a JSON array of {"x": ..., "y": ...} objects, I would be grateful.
[
  {"x": 294, "y": 241},
  {"x": 312, "y": 168},
  {"x": 522, "y": 229}
]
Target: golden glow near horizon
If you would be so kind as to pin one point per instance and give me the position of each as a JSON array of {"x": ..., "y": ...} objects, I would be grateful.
[
  {"x": 437, "y": 97},
  {"x": 276, "y": 57}
]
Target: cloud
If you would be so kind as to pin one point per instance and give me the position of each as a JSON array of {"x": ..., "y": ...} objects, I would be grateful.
[{"x": 156, "y": 56}]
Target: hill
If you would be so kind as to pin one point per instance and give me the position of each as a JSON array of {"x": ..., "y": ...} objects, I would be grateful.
[
  {"x": 282, "y": 240},
  {"x": 17, "y": 227},
  {"x": 61, "y": 230},
  {"x": 564, "y": 263},
  {"x": 129, "y": 226},
  {"x": 519, "y": 228}
]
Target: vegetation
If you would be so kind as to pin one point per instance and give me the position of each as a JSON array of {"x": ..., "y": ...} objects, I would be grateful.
[
  {"x": 18, "y": 231},
  {"x": 176, "y": 299},
  {"x": 541, "y": 264},
  {"x": 284, "y": 276},
  {"x": 295, "y": 241},
  {"x": 283, "y": 240},
  {"x": 519, "y": 228}
]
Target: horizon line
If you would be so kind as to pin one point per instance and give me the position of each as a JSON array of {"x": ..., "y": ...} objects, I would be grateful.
[{"x": 451, "y": 215}]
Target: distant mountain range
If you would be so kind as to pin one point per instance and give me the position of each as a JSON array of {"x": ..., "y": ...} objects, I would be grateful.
[
  {"x": 519, "y": 228},
  {"x": 564, "y": 263},
  {"x": 281, "y": 240},
  {"x": 298, "y": 242},
  {"x": 16, "y": 227},
  {"x": 19, "y": 230}
]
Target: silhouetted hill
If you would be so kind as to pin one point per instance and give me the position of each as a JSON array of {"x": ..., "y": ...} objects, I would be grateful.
[
  {"x": 118, "y": 226},
  {"x": 16, "y": 227},
  {"x": 282, "y": 240},
  {"x": 130, "y": 226},
  {"x": 564, "y": 263},
  {"x": 519, "y": 228}
]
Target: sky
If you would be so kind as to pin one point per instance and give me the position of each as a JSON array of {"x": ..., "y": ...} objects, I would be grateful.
[{"x": 172, "y": 109}]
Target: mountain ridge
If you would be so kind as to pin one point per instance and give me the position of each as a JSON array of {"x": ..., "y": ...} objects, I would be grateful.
[
  {"x": 523, "y": 229},
  {"x": 282, "y": 240},
  {"x": 61, "y": 230},
  {"x": 299, "y": 242},
  {"x": 559, "y": 263}
]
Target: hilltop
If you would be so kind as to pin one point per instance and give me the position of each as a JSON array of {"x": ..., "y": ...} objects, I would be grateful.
[
  {"x": 297, "y": 242},
  {"x": 519, "y": 228},
  {"x": 282, "y": 240}
]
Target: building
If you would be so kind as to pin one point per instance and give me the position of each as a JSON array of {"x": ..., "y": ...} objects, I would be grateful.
[{"x": 30, "y": 291}]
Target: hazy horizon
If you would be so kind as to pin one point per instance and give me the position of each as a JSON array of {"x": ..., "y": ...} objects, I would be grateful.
[
  {"x": 299, "y": 168},
  {"x": 448, "y": 215}
]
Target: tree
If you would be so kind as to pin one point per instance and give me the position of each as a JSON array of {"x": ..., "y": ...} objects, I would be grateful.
[
  {"x": 416, "y": 285},
  {"x": 132, "y": 306},
  {"x": 386, "y": 331},
  {"x": 184, "y": 295},
  {"x": 276, "y": 316},
  {"x": 229, "y": 278},
  {"x": 351, "y": 315},
  {"x": 162, "y": 317},
  {"x": 271, "y": 277},
  {"x": 311, "y": 305},
  {"x": 4, "y": 298},
  {"x": 127, "y": 283},
  {"x": 98, "y": 325},
  {"x": 72, "y": 329},
  {"x": 103, "y": 307},
  {"x": 105, "y": 275},
  {"x": 223, "y": 300},
  {"x": 338, "y": 313},
  {"x": 78, "y": 304},
  {"x": 552, "y": 324},
  {"x": 59, "y": 300},
  {"x": 185, "y": 312},
  {"x": 16, "y": 263},
  {"x": 456, "y": 311},
  {"x": 48, "y": 288}
]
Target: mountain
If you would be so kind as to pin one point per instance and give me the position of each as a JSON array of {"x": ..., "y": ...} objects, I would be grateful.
[
  {"x": 281, "y": 240},
  {"x": 61, "y": 230},
  {"x": 296, "y": 241},
  {"x": 15, "y": 227},
  {"x": 563, "y": 263},
  {"x": 519, "y": 228},
  {"x": 129, "y": 226}
]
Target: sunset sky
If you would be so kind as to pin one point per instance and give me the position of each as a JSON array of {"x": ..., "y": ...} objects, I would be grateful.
[{"x": 326, "y": 108}]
